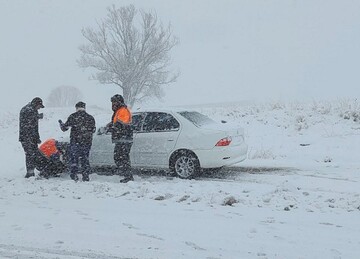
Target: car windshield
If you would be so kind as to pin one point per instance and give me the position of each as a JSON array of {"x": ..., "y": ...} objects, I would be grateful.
[{"x": 197, "y": 118}]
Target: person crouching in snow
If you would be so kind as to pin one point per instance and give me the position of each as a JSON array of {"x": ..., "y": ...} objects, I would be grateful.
[
  {"x": 82, "y": 127},
  {"x": 52, "y": 162}
]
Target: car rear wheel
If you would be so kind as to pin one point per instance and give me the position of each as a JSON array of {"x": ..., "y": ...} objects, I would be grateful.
[{"x": 186, "y": 165}]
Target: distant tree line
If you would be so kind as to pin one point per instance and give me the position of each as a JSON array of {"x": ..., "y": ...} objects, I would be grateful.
[{"x": 64, "y": 96}]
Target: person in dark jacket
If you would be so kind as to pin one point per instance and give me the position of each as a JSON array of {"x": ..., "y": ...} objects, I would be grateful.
[
  {"x": 29, "y": 133},
  {"x": 82, "y": 127},
  {"x": 122, "y": 136}
]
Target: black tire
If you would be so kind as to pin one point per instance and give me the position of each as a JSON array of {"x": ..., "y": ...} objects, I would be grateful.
[{"x": 185, "y": 165}]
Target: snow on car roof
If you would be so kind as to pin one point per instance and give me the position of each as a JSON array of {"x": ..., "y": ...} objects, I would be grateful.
[{"x": 166, "y": 109}]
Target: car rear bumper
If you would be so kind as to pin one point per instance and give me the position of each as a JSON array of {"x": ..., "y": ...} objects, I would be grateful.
[{"x": 222, "y": 156}]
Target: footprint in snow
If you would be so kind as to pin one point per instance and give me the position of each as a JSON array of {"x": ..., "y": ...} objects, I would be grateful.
[
  {"x": 183, "y": 198},
  {"x": 195, "y": 246},
  {"x": 81, "y": 213},
  {"x": 163, "y": 197},
  {"x": 261, "y": 254},
  {"x": 16, "y": 227},
  {"x": 48, "y": 226},
  {"x": 150, "y": 236},
  {"x": 252, "y": 233},
  {"x": 268, "y": 221},
  {"x": 129, "y": 226},
  {"x": 326, "y": 224},
  {"x": 336, "y": 254},
  {"x": 88, "y": 218}
]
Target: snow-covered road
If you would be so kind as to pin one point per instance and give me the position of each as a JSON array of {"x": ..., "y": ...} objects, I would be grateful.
[{"x": 274, "y": 214}]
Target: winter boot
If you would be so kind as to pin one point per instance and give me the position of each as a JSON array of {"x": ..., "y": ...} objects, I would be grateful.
[
  {"x": 44, "y": 175},
  {"x": 30, "y": 173},
  {"x": 85, "y": 178},
  {"x": 74, "y": 177},
  {"x": 127, "y": 179}
]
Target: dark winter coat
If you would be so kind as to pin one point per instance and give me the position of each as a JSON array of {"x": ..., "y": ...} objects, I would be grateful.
[
  {"x": 82, "y": 127},
  {"x": 29, "y": 124},
  {"x": 121, "y": 131}
]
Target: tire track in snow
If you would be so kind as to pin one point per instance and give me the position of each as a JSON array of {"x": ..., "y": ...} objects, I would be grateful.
[{"x": 23, "y": 252}]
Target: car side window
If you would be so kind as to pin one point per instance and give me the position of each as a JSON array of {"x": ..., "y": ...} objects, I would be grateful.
[
  {"x": 160, "y": 121},
  {"x": 136, "y": 121}
]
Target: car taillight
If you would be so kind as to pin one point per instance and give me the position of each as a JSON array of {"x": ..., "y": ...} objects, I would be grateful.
[{"x": 223, "y": 142}]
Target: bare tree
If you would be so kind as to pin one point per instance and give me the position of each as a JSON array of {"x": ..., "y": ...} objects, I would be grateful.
[
  {"x": 63, "y": 96},
  {"x": 131, "y": 54}
]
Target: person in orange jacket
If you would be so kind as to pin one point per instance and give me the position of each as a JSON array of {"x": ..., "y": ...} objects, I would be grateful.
[
  {"x": 49, "y": 148},
  {"x": 51, "y": 164},
  {"x": 122, "y": 136}
]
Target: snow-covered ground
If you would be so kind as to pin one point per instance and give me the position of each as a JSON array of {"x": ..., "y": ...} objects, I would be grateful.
[{"x": 296, "y": 196}]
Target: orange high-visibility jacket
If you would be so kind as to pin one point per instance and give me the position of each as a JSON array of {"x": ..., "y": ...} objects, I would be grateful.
[
  {"x": 123, "y": 114},
  {"x": 49, "y": 148}
]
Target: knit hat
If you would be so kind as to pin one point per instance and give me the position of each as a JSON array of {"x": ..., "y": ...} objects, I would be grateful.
[
  {"x": 117, "y": 98},
  {"x": 80, "y": 105},
  {"x": 37, "y": 102}
]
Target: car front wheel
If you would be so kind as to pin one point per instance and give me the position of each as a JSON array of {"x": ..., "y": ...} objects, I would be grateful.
[{"x": 186, "y": 165}]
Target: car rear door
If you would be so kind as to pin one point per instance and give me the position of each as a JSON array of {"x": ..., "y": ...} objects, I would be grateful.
[{"x": 157, "y": 139}]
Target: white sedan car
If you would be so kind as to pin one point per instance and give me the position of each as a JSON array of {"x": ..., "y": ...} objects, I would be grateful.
[{"x": 183, "y": 141}]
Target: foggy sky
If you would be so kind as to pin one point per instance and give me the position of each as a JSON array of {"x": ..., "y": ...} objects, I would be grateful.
[{"x": 229, "y": 50}]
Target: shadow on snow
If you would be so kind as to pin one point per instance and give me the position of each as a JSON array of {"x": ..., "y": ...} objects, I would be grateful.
[{"x": 230, "y": 173}]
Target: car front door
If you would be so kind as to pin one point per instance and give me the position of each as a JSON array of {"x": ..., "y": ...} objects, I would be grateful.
[
  {"x": 102, "y": 151},
  {"x": 157, "y": 139},
  {"x": 137, "y": 122}
]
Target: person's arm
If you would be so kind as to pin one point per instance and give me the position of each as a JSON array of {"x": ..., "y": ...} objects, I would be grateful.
[
  {"x": 62, "y": 125},
  {"x": 108, "y": 127},
  {"x": 65, "y": 126},
  {"x": 34, "y": 124}
]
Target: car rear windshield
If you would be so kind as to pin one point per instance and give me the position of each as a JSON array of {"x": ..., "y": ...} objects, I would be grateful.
[{"x": 197, "y": 118}]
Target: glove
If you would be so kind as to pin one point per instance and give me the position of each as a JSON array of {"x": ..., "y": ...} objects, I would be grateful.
[
  {"x": 62, "y": 125},
  {"x": 41, "y": 116}
]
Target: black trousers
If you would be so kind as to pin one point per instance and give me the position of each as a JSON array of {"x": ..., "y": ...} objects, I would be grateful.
[
  {"x": 79, "y": 156},
  {"x": 32, "y": 155},
  {"x": 122, "y": 158},
  {"x": 52, "y": 166}
]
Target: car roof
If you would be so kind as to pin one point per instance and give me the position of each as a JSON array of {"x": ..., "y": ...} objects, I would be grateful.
[{"x": 167, "y": 110}]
